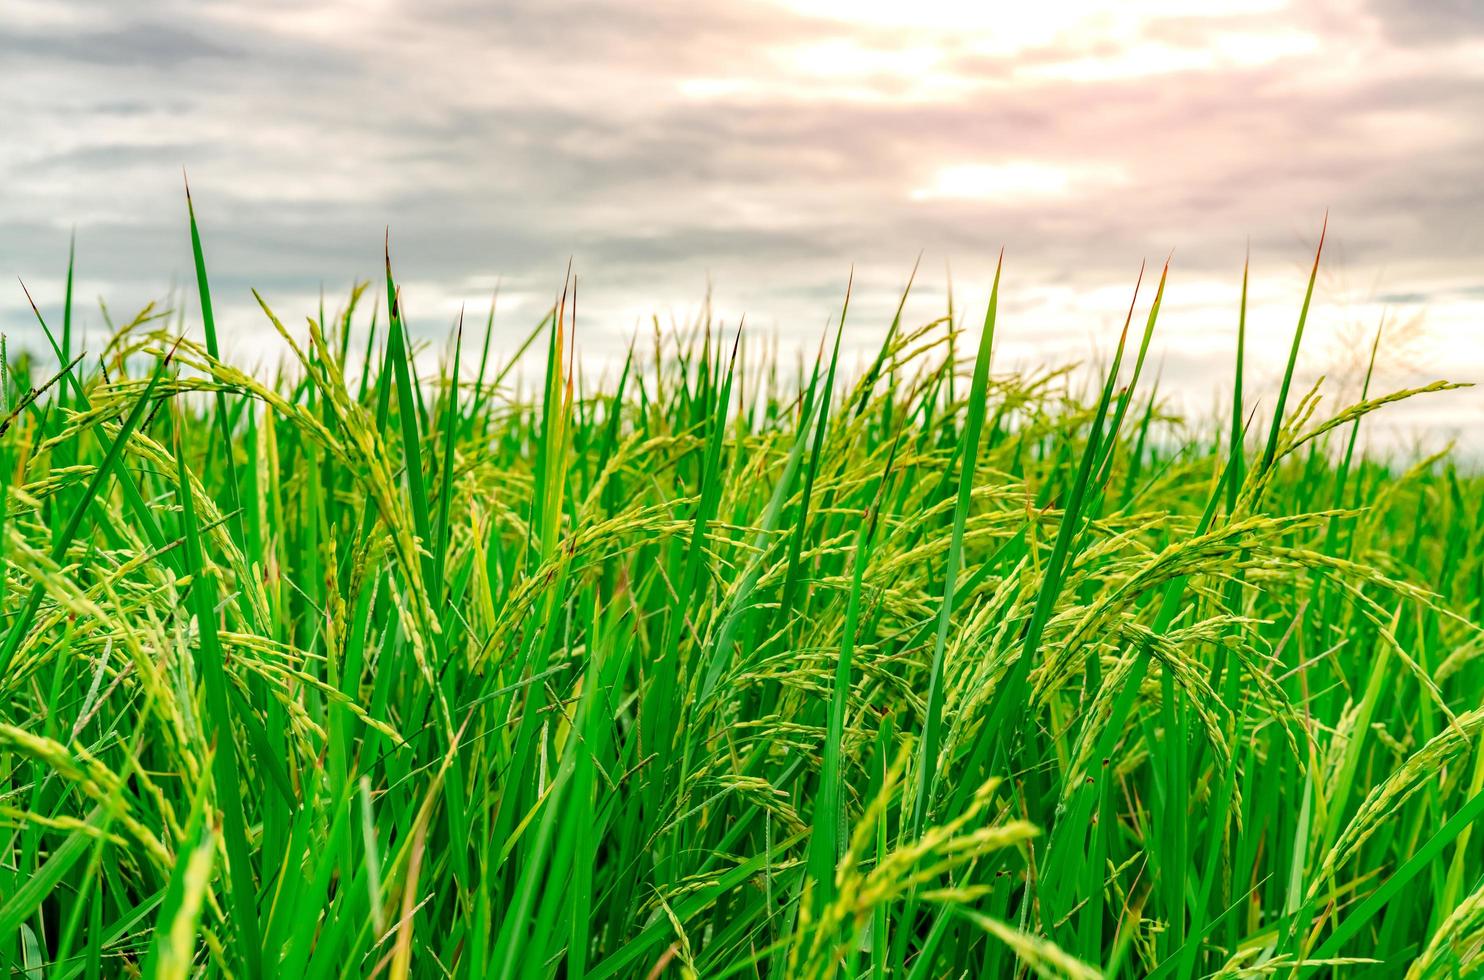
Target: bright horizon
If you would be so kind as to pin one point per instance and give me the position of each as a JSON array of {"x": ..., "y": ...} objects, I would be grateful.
[{"x": 767, "y": 150}]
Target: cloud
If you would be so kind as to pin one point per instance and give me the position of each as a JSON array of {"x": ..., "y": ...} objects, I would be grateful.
[
  {"x": 760, "y": 149},
  {"x": 1436, "y": 22},
  {"x": 155, "y": 44}
]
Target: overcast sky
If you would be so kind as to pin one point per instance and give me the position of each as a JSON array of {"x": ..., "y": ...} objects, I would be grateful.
[{"x": 765, "y": 149}]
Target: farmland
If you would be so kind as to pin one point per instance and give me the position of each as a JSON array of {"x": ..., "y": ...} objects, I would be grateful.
[{"x": 388, "y": 665}]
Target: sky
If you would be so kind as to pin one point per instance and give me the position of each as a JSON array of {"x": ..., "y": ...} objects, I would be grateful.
[{"x": 760, "y": 153}]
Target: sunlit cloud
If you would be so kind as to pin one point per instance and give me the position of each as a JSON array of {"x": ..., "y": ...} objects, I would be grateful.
[
  {"x": 1011, "y": 181},
  {"x": 841, "y": 57},
  {"x": 842, "y": 69},
  {"x": 1147, "y": 58},
  {"x": 1008, "y": 29}
]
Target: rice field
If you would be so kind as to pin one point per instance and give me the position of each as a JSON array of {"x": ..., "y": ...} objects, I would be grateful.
[{"x": 721, "y": 665}]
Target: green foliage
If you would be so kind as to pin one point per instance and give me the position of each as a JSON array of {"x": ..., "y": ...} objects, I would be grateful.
[{"x": 935, "y": 671}]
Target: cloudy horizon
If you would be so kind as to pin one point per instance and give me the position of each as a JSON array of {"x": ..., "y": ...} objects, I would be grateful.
[{"x": 760, "y": 152}]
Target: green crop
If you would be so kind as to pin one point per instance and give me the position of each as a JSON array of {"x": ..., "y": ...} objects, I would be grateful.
[{"x": 717, "y": 669}]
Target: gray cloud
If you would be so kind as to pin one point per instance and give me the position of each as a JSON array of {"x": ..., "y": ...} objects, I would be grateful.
[
  {"x": 149, "y": 43},
  {"x": 1434, "y": 22}
]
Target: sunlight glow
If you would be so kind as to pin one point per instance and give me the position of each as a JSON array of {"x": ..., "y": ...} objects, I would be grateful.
[{"x": 1002, "y": 181}]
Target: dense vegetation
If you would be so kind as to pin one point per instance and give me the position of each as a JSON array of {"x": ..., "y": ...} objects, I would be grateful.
[{"x": 721, "y": 669}]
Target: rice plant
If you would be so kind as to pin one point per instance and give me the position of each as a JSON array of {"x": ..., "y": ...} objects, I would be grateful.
[{"x": 717, "y": 668}]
